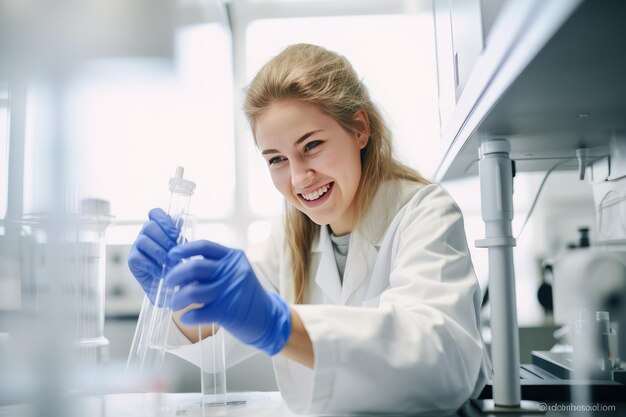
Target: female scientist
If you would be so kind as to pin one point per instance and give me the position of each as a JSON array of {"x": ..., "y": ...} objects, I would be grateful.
[{"x": 366, "y": 297}]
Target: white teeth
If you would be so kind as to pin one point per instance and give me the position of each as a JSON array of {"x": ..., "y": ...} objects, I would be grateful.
[{"x": 316, "y": 194}]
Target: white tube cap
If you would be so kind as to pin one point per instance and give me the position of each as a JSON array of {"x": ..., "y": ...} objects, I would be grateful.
[{"x": 180, "y": 185}]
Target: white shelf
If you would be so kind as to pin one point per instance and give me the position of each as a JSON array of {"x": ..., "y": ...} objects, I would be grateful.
[{"x": 551, "y": 79}]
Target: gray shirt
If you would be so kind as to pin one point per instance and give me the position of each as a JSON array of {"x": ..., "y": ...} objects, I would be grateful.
[{"x": 340, "y": 247}]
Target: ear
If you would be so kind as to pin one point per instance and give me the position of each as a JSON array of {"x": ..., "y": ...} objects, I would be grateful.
[{"x": 362, "y": 127}]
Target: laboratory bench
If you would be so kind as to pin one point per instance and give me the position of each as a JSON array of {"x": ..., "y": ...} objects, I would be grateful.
[
  {"x": 261, "y": 404},
  {"x": 158, "y": 405}
]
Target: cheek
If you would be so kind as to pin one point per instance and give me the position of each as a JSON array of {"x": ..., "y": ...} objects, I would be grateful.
[{"x": 351, "y": 165}]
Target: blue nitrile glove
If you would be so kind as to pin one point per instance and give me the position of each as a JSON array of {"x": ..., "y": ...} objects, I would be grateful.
[
  {"x": 149, "y": 252},
  {"x": 226, "y": 285}
]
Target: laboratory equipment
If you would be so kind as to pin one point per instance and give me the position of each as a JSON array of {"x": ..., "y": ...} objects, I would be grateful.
[
  {"x": 50, "y": 280},
  {"x": 94, "y": 218},
  {"x": 213, "y": 372},
  {"x": 497, "y": 211},
  {"x": 591, "y": 281},
  {"x": 56, "y": 322},
  {"x": 83, "y": 245},
  {"x": 593, "y": 278},
  {"x": 150, "y": 339},
  {"x": 520, "y": 91}
]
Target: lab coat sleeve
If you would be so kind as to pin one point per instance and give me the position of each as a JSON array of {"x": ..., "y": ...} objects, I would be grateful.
[
  {"x": 420, "y": 350},
  {"x": 264, "y": 259}
]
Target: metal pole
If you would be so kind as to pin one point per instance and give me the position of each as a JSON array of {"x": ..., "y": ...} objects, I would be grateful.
[{"x": 496, "y": 189}]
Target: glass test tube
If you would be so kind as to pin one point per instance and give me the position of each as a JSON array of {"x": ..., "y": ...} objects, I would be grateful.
[
  {"x": 213, "y": 373},
  {"x": 150, "y": 339}
]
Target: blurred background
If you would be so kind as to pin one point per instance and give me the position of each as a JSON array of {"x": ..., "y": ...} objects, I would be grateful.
[{"x": 100, "y": 101}]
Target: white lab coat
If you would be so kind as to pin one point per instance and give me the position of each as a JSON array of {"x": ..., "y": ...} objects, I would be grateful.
[{"x": 402, "y": 333}]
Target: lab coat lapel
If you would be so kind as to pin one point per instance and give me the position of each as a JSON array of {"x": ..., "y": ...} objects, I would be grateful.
[
  {"x": 362, "y": 252},
  {"x": 365, "y": 241},
  {"x": 326, "y": 275}
]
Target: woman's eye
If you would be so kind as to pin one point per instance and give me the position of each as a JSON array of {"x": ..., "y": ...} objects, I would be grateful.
[
  {"x": 275, "y": 160},
  {"x": 311, "y": 145}
]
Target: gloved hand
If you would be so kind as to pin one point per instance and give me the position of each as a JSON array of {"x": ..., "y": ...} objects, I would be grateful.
[
  {"x": 231, "y": 294},
  {"x": 148, "y": 254}
]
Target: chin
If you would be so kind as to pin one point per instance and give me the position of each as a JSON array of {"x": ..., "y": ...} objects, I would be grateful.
[{"x": 319, "y": 220}]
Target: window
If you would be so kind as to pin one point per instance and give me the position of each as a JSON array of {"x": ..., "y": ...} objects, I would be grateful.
[{"x": 135, "y": 121}]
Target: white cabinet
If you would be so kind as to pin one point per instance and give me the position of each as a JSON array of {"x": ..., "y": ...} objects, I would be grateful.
[
  {"x": 461, "y": 31},
  {"x": 467, "y": 39},
  {"x": 549, "y": 79}
]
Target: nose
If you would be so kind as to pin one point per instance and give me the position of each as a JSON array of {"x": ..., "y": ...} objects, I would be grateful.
[{"x": 301, "y": 174}]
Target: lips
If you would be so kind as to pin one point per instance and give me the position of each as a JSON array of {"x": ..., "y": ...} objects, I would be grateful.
[
  {"x": 316, "y": 193},
  {"x": 318, "y": 196}
]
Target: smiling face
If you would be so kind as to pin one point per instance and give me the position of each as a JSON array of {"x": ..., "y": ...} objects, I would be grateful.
[{"x": 314, "y": 162}]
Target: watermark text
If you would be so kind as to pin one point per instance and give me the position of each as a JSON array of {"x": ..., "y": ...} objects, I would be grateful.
[{"x": 569, "y": 407}]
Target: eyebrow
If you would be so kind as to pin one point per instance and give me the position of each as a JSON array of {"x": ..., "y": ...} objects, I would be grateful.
[{"x": 299, "y": 141}]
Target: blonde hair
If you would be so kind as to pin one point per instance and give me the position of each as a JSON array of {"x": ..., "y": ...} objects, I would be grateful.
[{"x": 316, "y": 75}]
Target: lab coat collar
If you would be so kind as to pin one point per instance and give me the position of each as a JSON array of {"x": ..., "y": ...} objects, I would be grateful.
[
  {"x": 365, "y": 241},
  {"x": 390, "y": 196}
]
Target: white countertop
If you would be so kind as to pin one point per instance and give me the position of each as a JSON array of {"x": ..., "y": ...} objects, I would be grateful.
[
  {"x": 188, "y": 404},
  {"x": 259, "y": 404}
]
